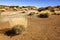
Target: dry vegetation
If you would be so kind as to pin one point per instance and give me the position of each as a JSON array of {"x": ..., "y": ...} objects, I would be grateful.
[{"x": 29, "y": 22}]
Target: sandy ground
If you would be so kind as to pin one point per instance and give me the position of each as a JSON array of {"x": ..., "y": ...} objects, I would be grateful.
[{"x": 39, "y": 29}]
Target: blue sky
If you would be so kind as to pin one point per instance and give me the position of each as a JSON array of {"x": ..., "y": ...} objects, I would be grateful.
[{"x": 37, "y": 3}]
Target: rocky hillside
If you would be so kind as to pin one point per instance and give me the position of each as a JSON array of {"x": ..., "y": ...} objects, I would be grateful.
[{"x": 31, "y": 9}]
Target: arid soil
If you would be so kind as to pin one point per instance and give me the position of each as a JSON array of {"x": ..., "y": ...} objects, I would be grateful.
[{"x": 38, "y": 29}]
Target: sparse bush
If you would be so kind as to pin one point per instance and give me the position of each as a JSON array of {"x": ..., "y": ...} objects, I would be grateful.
[
  {"x": 37, "y": 13},
  {"x": 15, "y": 9},
  {"x": 16, "y": 30},
  {"x": 2, "y": 10},
  {"x": 23, "y": 6},
  {"x": 52, "y": 10},
  {"x": 58, "y": 14},
  {"x": 43, "y": 15},
  {"x": 32, "y": 13},
  {"x": 23, "y": 11},
  {"x": 26, "y": 9},
  {"x": 41, "y": 9},
  {"x": 54, "y": 14},
  {"x": 13, "y": 6}
]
